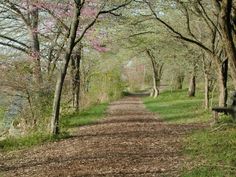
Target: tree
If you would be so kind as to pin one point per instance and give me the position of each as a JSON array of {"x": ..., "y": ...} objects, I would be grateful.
[
  {"x": 209, "y": 79},
  {"x": 76, "y": 76},
  {"x": 212, "y": 47},
  {"x": 227, "y": 22},
  {"x": 72, "y": 41},
  {"x": 192, "y": 83},
  {"x": 157, "y": 67},
  {"x": 24, "y": 17}
]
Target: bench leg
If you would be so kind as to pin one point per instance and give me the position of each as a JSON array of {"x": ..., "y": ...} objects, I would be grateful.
[{"x": 216, "y": 117}]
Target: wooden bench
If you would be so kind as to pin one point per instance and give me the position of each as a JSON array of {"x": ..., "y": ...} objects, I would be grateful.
[{"x": 230, "y": 109}]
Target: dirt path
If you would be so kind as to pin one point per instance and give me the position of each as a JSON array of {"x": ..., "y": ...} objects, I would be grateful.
[{"x": 129, "y": 142}]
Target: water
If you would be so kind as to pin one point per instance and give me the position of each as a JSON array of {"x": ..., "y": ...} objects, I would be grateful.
[{"x": 13, "y": 111}]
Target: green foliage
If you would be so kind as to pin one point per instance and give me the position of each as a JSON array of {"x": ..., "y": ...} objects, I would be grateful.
[
  {"x": 35, "y": 116},
  {"x": 105, "y": 87},
  {"x": 176, "y": 106},
  {"x": 85, "y": 117},
  {"x": 43, "y": 108},
  {"x": 14, "y": 143}
]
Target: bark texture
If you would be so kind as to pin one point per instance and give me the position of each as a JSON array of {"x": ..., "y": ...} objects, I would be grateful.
[
  {"x": 35, "y": 45},
  {"x": 76, "y": 78},
  {"x": 157, "y": 74},
  {"x": 192, "y": 83},
  {"x": 62, "y": 73},
  {"x": 222, "y": 81},
  {"x": 227, "y": 34},
  {"x": 192, "y": 86},
  {"x": 206, "y": 91}
]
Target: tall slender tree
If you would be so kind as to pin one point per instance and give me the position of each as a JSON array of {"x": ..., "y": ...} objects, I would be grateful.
[{"x": 73, "y": 40}]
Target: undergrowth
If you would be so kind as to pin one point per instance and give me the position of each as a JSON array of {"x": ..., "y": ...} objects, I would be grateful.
[{"x": 85, "y": 117}]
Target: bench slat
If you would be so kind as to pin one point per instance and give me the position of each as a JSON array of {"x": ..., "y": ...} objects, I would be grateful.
[
  {"x": 223, "y": 109},
  {"x": 230, "y": 109}
]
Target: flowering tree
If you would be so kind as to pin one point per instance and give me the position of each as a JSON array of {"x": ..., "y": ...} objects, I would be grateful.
[
  {"x": 20, "y": 25},
  {"x": 49, "y": 31},
  {"x": 75, "y": 35}
]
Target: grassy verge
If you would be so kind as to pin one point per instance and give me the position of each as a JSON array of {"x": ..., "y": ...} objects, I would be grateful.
[
  {"x": 212, "y": 152},
  {"x": 85, "y": 117},
  {"x": 67, "y": 121},
  {"x": 13, "y": 143},
  {"x": 177, "y": 107}
]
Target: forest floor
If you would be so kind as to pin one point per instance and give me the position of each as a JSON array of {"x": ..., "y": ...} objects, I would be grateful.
[{"x": 130, "y": 141}]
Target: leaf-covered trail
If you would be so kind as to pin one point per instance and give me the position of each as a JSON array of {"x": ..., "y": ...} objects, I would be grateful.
[{"x": 130, "y": 141}]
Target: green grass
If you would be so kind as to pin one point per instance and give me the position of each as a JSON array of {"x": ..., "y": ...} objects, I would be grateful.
[
  {"x": 212, "y": 151},
  {"x": 216, "y": 150},
  {"x": 208, "y": 172},
  {"x": 14, "y": 143},
  {"x": 177, "y": 107},
  {"x": 85, "y": 117}
]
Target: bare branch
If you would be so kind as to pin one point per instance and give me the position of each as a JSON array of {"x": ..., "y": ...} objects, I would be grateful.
[
  {"x": 188, "y": 20},
  {"x": 15, "y": 47},
  {"x": 178, "y": 34},
  {"x": 208, "y": 18},
  {"x": 142, "y": 33},
  {"x": 96, "y": 18},
  {"x": 17, "y": 10},
  {"x": 14, "y": 40}
]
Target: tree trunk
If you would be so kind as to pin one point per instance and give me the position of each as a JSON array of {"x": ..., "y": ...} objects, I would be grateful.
[
  {"x": 156, "y": 84},
  {"x": 227, "y": 30},
  {"x": 192, "y": 86},
  {"x": 179, "y": 82},
  {"x": 233, "y": 74},
  {"x": 192, "y": 83},
  {"x": 155, "y": 88},
  {"x": 157, "y": 74},
  {"x": 75, "y": 63},
  {"x": 57, "y": 101},
  {"x": 207, "y": 67},
  {"x": 62, "y": 74},
  {"x": 73, "y": 83},
  {"x": 207, "y": 91},
  {"x": 152, "y": 93},
  {"x": 222, "y": 81},
  {"x": 35, "y": 45},
  {"x": 37, "y": 64}
]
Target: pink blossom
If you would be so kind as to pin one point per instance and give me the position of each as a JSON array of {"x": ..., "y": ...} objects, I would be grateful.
[{"x": 99, "y": 47}]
